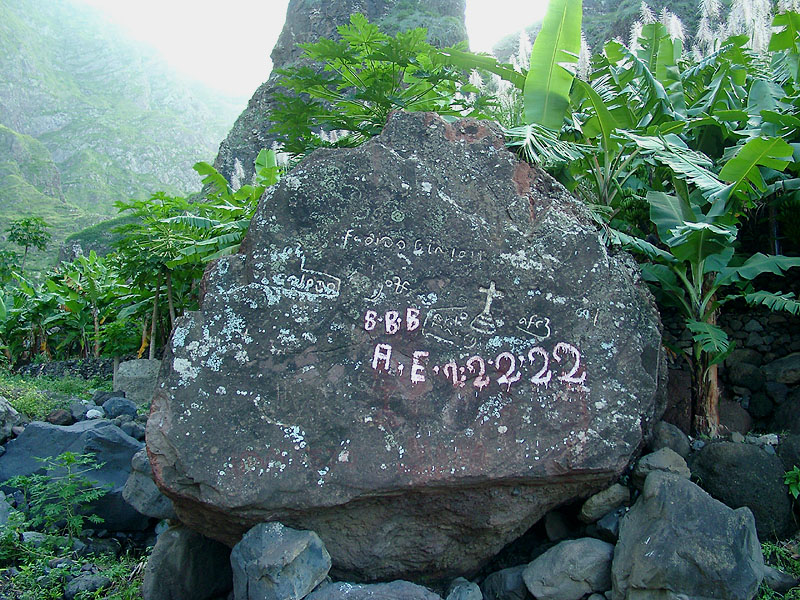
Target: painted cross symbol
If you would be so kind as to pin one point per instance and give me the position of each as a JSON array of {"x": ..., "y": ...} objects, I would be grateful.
[{"x": 491, "y": 293}]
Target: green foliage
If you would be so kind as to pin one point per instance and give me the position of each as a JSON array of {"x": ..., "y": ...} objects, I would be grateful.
[
  {"x": 56, "y": 500},
  {"x": 792, "y": 479},
  {"x": 549, "y": 81},
  {"x": 785, "y": 558},
  {"x": 363, "y": 77},
  {"x": 36, "y": 397},
  {"x": 29, "y": 232}
]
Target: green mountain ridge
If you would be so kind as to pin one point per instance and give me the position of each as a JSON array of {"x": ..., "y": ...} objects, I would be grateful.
[{"x": 89, "y": 117}]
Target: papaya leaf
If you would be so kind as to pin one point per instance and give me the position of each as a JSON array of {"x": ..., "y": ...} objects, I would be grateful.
[{"x": 547, "y": 86}]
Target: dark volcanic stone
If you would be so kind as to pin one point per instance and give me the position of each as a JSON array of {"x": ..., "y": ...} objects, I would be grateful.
[
  {"x": 745, "y": 475},
  {"x": 419, "y": 330},
  {"x": 59, "y": 416},
  {"x": 678, "y": 542}
]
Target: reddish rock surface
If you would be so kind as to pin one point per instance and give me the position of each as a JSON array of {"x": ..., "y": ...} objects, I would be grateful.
[{"x": 423, "y": 347}]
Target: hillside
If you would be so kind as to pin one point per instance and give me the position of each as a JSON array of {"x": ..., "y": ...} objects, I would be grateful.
[{"x": 88, "y": 117}]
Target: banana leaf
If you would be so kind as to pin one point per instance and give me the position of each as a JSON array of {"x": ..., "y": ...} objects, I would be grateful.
[{"x": 547, "y": 86}]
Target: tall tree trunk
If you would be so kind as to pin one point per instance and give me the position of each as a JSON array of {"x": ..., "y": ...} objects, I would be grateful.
[
  {"x": 144, "y": 338},
  {"x": 154, "y": 322},
  {"x": 170, "y": 301}
]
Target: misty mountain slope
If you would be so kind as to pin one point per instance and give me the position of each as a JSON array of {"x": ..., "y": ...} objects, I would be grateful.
[{"x": 116, "y": 122}]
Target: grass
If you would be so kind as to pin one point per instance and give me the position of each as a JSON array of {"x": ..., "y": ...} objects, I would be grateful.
[
  {"x": 784, "y": 556},
  {"x": 36, "y": 397}
]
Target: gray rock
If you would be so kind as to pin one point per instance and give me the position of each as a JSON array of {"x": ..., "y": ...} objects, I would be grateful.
[
  {"x": 789, "y": 451},
  {"x": 737, "y": 437},
  {"x": 665, "y": 460},
  {"x": 88, "y": 582},
  {"x": 570, "y": 570},
  {"x": 746, "y": 375},
  {"x": 777, "y": 391},
  {"x": 111, "y": 447},
  {"x": 746, "y": 475},
  {"x": 760, "y": 405},
  {"x": 117, "y": 406},
  {"x": 60, "y": 416},
  {"x": 778, "y": 581},
  {"x": 743, "y": 355},
  {"x": 608, "y": 525},
  {"x": 784, "y": 370},
  {"x": 9, "y": 418},
  {"x": 95, "y": 413},
  {"x": 786, "y": 416},
  {"x": 273, "y": 562},
  {"x": 667, "y": 435},
  {"x": 79, "y": 409},
  {"x": 34, "y": 538},
  {"x": 506, "y": 584},
  {"x": 676, "y": 540},
  {"x": 370, "y": 477},
  {"x": 395, "y": 590},
  {"x": 462, "y": 589},
  {"x": 142, "y": 494},
  {"x": 184, "y": 564},
  {"x": 138, "y": 379},
  {"x": 135, "y": 430},
  {"x": 604, "y": 502}
]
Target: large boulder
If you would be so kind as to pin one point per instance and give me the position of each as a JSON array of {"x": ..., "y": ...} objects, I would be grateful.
[
  {"x": 112, "y": 448},
  {"x": 747, "y": 475},
  {"x": 678, "y": 542},
  {"x": 9, "y": 417},
  {"x": 784, "y": 370},
  {"x": 423, "y": 347}
]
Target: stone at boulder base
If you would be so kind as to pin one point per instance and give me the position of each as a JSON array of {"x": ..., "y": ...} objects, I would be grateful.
[
  {"x": 60, "y": 416},
  {"x": 665, "y": 460},
  {"x": 570, "y": 570},
  {"x": 462, "y": 589},
  {"x": 395, "y": 590},
  {"x": 273, "y": 562},
  {"x": 422, "y": 348},
  {"x": 137, "y": 378},
  {"x": 604, "y": 502},
  {"x": 667, "y": 435},
  {"x": 747, "y": 475},
  {"x": 506, "y": 584},
  {"x": 111, "y": 447},
  {"x": 142, "y": 494},
  {"x": 677, "y": 540},
  {"x": 184, "y": 564}
]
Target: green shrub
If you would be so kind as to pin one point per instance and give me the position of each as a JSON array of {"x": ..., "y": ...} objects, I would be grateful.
[
  {"x": 36, "y": 397},
  {"x": 54, "y": 500},
  {"x": 783, "y": 557},
  {"x": 792, "y": 479}
]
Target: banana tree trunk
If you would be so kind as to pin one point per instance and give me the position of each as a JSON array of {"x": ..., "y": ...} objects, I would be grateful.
[{"x": 705, "y": 380}]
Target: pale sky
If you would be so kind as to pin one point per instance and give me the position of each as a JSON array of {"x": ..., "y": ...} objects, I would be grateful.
[{"x": 226, "y": 45}]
